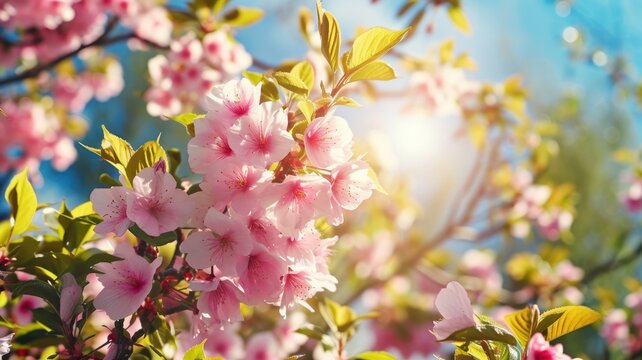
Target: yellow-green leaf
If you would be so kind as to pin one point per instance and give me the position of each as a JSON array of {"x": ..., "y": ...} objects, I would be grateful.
[
  {"x": 146, "y": 156},
  {"x": 372, "y": 44},
  {"x": 458, "y": 18},
  {"x": 307, "y": 108},
  {"x": 446, "y": 51},
  {"x": 330, "y": 39},
  {"x": 187, "y": 118},
  {"x": 465, "y": 62},
  {"x": 305, "y": 21},
  {"x": 373, "y": 355},
  {"x": 242, "y": 16},
  {"x": 373, "y": 175},
  {"x": 346, "y": 101},
  {"x": 522, "y": 323},
  {"x": 305, "y": 72},
  {"x": 376, "y": 70},
  {"x": 23, "y": 202},
  {"x": 573, "y": 318},
  {"x": 291, "y": 82}
]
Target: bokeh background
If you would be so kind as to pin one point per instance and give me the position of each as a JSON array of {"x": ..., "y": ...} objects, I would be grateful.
[{"x": 580, "y": 65}]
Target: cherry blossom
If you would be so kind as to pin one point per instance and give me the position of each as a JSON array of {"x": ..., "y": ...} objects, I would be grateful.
[
  {"x": 301, "y": 283},
  {"x": 230, "y": 101},
  {"x": 260, "y": 275},
  {"x": 328, "y": 141},
  {"x": 219, "y": 300},
  {"x": 261, "y": 137},
  {"x": 539, "y": 349},
  {"x": 70, "y": 297},
  {"x": 453, "y": 304},
  {"x": 111, "y": 205},
  {"x": 262, "y": 346},
  {"x": 155, "y": 204},
  {"x": 220, "y": 246},
  {"x": 126, "y": 282}
]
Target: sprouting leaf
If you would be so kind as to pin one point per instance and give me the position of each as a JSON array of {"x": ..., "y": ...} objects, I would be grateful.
[
  {"x": 373, "y": 355},
  {"x": 372, "y": 44},
  {"x": 242, "y": 16},
  {"x": 146, "y": 156},
  {"x": 115, "y": 150},
  {"x": 23, "y": 202},
  {"x": 187, "y": 118},
  {"x": 346, "y": 101},
  {"x": 307, "y": 108},
  {"x": 376, "y": 70},
  {"x": 458, "y": 18},
  {"x": 573, "y": 318},
  {"x": 304, "y": 71},
  {"x": 305, "y": 23},
  {"x": 292, "y": 83},
  {"x": 330, "y": 39}
]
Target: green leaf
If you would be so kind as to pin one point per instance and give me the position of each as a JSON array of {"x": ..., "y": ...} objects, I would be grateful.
[
  {"x": 376, "y": 70},
  {"x": 242, "y": 16},
  {"x": 372, "y": 44},
  {"x": 523, "y": 323},
  {"x": 23, "y": 249},
  {"x": 573, "y": 318},
  {"x": 23, "y": 202},
  {"x": 48, "y": 318},
  {"x": 339, "y": 317},
  {"x": 146, "y": 156},
  {"x": 37, "y": 288},
  {"x": 307, "y": 108},
  {"x": 458, "y": 18},
  {"x": 291, "y": 82},
  {"x": 330, "y": 39},
  {"x": 115, "y": 150},
  {"x": 483, "y": 332},
  {"x": 305, "y": 72},
  {"x": 162, "y": 239},
  {"x": 373, "y": 355},
  {"x": 187, "y": 118},
  {"x": 269, "y": 91},
  {"x": 108, "y": 180}
]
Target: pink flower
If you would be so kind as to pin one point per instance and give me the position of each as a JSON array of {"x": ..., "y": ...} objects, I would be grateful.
[
  {"x": 230, "y": 101},
  {"x": 111, "y": 204},
  {"x": 539, "y": 349},
  {"x": 615, "y": 329},
  {"x": 301, "y": 246},
  {"x": 410, "y": 341},
  {"x": 156, "y": 205},
  {"x": 298, "y": 200},
  {"x": 262, "y": 346},
  {"x": 261, "y": 137},
  {"x": 70, "y": 297},
  {"x": 219, "y": 301},
  {"x": 553, "y": 222},
  {"x": 237, "y": 184},
  {"x": 153, "y": 25},
  {"x": 221, "y": 53},
  {"x": 210, "y": 145},
  {"x": 301, "y": 283},
  {"x": 351, "y": 185},
  {"x": 260, "y": 275},
  {"x": 127, "y": 282},
  {"x": 328, "y": 141},
  {"x": 454, "y": 306},
  {"x": 162, "y": 102},
  {"x": 262, "y": 229},
  {"x": 633, "y": 196},
  {"x": 21, "y": 311},
  {"x": 221, "y": 247},
  {"x": 225, "y": 343}
]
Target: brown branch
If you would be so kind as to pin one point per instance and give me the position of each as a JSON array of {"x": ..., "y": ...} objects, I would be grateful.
[
  {"x": 449, "y": 228},
  {"x": 103, "y": 40}
]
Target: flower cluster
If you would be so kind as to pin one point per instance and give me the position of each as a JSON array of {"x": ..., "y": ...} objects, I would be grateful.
[
  {"x": 258, "y": 204},
  {"x": 47, "y": 29},
  {"x": 192, "y": 67},
  {"x": 537, "y": 204},
  {"x": 30, "y": 132},
  {"x": 440, "y": 92}
]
